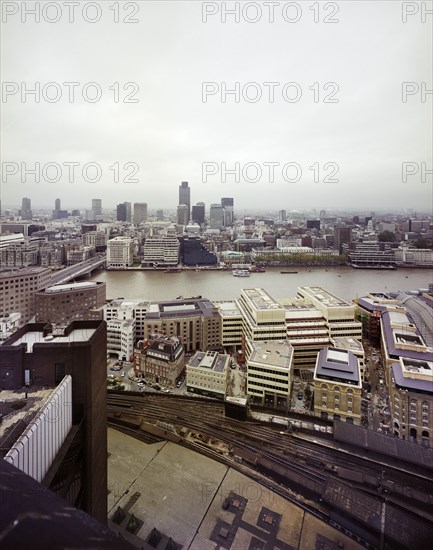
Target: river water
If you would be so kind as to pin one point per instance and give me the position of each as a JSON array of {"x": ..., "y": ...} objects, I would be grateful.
[{"x": 345, "y": 282}]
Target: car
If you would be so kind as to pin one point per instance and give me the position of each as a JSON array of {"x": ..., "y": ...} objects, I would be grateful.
[
  {"x": 179, "y": 383},
  {"x": 141, "y": 383},
  {"x": 111, "y": 376},
  {"x": 300, "y": 395}
]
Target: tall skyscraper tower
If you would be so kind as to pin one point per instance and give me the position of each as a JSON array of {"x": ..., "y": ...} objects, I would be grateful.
[
  {"x": 185, "y": 196},
  {"x": 140, "y": 212},
  {"x": 182, "y": 214},
  {"x": 216, "y": 216},
  {"x": 124, "y": 212},
  {"x": 57, "y": 204},
  {"x": 198, "y": 213},
  {"x": 227, "y": 203},
  {"x": 26, "y": 209},
  {"x": 97, "y": 207}
]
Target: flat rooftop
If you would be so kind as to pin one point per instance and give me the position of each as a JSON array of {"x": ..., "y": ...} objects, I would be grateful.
[
  {"x": 323, "y": 296},
  {"x": 276, "y": 353},
  {"x": 211, "y": 360},
  {"x": 260, "y": 299},
  {"x": 71, "y": 286},
  {"x": 347, "y": 342},
  {"x": 36, "y": 337},
  {"x": 227, "y": 309}
]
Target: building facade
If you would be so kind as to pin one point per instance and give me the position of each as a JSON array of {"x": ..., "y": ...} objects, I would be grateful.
[
  {"x": 17, "y": 290},
  {"x": 207, "y": 372},
  {"x": 270, "y": 373},
  {"x": 337, "y": 386},
  {"x": 120, "y": 252},
  {"x": 62, "y": 304},
  {"x": 161, "y": 359}
]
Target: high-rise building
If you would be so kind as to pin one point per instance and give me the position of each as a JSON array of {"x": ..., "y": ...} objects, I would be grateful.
[
  {"x": 342, "y": 234},
  {"x": 124, "y": 212},
  {"x": 216, "y": 216},
  {"x": 140, "y": 212},
  {"x": 182, "y": 214},
  {"x": 185, "y": 196},
  {"x": 26, "y": 209},
  {"x": 57, "y": 204},
  {"x": 97, "y": 207},
  {"x": 159, "y": 215},
  {"x": 58, "y": 213},
  {"x": 282, "y": 216},
  {"x": 198, "y": 213},
  {"x": 227, "y": 203}
]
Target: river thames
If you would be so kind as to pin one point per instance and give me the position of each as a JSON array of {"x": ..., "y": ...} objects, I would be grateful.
[{"x": 345, "y": 282}]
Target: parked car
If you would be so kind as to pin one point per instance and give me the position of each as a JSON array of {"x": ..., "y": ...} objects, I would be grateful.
[{"x": 300, "y": 395}]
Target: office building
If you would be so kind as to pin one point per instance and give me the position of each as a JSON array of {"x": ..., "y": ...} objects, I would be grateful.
[
  {"x": 26, "y": 209},
  {"x": 159, "y": 215},
  {"x": 140, "y": 212},
  {"x": 338, "y": 314},
  {"x": 127, "y": 310},
  {"x": 270, "y": 373},
  {"x": 307, "y": 332},
  {"x": 231, "y": 325},
  {"x": 282, "y": 216},
  {"x": 185, "y": 197},
  {"x": 120, "y": 252},
  {"x": 17, "y": 290},
  {"x": 313, "y": 224},
  {"x": 161, "y": 251},
  {"x": 342, "y": 234},
  {"x": 337, "y": 385},
  {"x": 263, "y": 318},
  {"x": 216, "y": 216},
  {"x": 228, "y": 205},
  {"x": 97, "y": 207},
  {"x": 62, "y": 304},
  {"x": 96, "y": 239},
  {"x": 69, "y": 456},
  {"x": 195, "y": 252},
  {"x": 124, "y": 212},
  {"x": 207, "y": 373},
  {"x": 198, "y": 213},
  {"x": 18, "y": 251},
  {"x": 182, "y": 214},
  {"x": 194, "y": 321},
  {"x": 120, "y": 338},
  {"x": 354, "y": 346},
  {"x": 161, "y": 359}
]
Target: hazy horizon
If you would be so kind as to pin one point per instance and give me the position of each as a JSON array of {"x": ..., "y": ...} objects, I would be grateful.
[{"x": 351, "y": 107}]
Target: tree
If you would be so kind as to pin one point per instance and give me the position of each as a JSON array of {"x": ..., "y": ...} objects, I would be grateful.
[{"x": 386, "y": 236}]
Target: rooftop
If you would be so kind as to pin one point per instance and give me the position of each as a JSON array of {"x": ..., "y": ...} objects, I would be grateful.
[
  {"x": 260, "y": 299},
  {"x": 277, "y": 353},
  {"x": 337, "y": 364},
  {"x": 37, "y": 337},
  {"x": 211, "y": 360},
  {"x": 71, "y": 286},
  {"x": 347, "y": 342},
  {"x": 322, "y": 296}
]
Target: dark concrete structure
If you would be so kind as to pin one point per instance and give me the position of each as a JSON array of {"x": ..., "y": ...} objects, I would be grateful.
[{"x": 39, "y": 356}]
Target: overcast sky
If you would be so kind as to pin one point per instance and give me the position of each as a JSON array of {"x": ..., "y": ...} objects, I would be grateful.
[{"x": 363, "y": 136}]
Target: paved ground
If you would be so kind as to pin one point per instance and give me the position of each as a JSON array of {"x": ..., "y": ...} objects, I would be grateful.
[{"x": 182, "y": 494}]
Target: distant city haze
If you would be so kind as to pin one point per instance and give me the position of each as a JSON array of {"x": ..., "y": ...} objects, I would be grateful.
[{"x": 187, "y": 98}]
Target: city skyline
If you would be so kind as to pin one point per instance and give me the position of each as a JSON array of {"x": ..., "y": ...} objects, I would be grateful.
[{"x": 350, "y": 118}]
